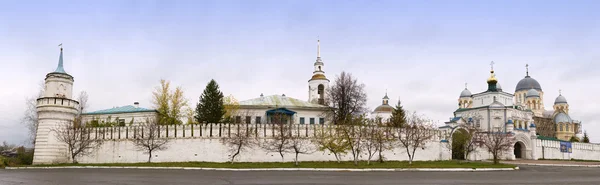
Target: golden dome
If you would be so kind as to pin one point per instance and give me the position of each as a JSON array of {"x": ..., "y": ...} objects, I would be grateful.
[
  {"x": 319, "y": 77},
  {"x": 492, "y": 77}
]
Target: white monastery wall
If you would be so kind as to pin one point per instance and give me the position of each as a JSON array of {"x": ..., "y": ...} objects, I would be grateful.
[
  {"x": 203, "y": 143},
  {"x": 547, "y": 149}
]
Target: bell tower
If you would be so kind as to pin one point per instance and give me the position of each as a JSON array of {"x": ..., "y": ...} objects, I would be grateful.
[
  {"x": 318, "y": 83},
  {"x": 54, "y": 108}
]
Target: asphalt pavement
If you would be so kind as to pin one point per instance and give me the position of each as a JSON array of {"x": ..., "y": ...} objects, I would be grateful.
[{"x": 526, "y": 175}]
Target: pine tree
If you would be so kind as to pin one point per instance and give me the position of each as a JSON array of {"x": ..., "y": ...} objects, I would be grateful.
[
  {"x": 210, "y": 108},
  {"x": 398, "y": 118},
  {"x": 586, "y": 139}
]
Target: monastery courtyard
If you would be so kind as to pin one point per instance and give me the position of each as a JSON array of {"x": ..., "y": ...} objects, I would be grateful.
[{"x": 526, "y": 175}]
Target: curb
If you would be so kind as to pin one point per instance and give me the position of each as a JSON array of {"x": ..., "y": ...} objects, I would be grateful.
[
  {"x": 558, "y": 165},
  {"x": 277, "y": 169}
]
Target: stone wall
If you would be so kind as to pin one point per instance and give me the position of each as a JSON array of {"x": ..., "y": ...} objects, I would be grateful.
[
  {"x": 547, "y": 149},
  {"x": 203, "y": 143}
]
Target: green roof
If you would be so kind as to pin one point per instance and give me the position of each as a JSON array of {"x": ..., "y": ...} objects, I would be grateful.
[
  {"x": 548, "y": 138},
  {"x": 123, "y": 109}
]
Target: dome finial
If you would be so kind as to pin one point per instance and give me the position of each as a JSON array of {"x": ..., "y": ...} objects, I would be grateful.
[
  {"x": 492, "y": 64},
  {"x": 527, "y": 69},
  {"x": 559, "y": 92},
  {"x": 465, "y": 85}
]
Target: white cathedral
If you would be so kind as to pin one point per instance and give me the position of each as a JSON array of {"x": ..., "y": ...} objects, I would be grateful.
[{"x": 493, "y": 109}]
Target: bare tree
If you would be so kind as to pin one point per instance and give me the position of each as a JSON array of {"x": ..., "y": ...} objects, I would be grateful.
[
  {"x": 329, "y": 139},
  {"x": 354, "y": 134},
  {"x": 78, "y": 139},
  {"x": 300, "y": 145},
  {"x": 416, "y": 133},
  {"x": 148, "y": 138},
  {"x": 282, "y": 136},
  {"x": 83, "y": 105},
  {"x": 30, "y": 116},
  {"x": 347, "y": 98},
  {"x": 495, "y": 142},
  {"x": 370, "y": 142},
  {"x": 383, "y": 139},
  {"x": 240, "y": 140}
]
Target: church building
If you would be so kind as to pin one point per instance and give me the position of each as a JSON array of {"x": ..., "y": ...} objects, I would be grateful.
[{"x": 494, "y": 108}]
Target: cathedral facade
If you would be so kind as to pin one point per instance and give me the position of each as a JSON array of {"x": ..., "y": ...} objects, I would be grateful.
[{"x": 493, "y": 109}]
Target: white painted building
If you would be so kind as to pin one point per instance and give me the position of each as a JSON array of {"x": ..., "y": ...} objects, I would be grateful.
[
  {"x": 260, "y": 110},
  {"x": 383, "y": 112},
  {"x": 123, "y": 116}
]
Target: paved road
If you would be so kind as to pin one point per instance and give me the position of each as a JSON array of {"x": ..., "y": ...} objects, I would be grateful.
[{"x": 527, "y": 175}]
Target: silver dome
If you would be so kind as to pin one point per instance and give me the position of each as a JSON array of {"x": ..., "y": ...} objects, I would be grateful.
[
  {"x": 465, "y": 93},
  {"x": 498, "y": 87},
  {"x": 528, "y": 83},
  {"x": 560, "y": 99},
  {"x": 532, "y": 93},
  {"x": 562, "y": 118}
]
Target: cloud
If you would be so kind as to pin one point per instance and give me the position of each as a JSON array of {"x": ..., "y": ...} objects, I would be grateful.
[{"x": 422, "y": 55}]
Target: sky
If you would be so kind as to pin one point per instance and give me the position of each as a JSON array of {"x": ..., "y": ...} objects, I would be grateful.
[{"x": 421, "y": 52}]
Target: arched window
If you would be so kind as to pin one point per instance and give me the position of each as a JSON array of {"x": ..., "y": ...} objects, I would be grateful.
[
  {"x": 567, "y": 125},
  {"x": 561, "y": 127},
  {"x": 321, "y": 92}
]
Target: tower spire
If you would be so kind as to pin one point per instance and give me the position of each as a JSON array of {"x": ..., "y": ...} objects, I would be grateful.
[
  {"x": 318, "y": 48},
  {"x": 60, "y": 68}
]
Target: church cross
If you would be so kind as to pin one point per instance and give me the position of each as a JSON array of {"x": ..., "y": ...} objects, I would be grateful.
[
  {"x": 465, "y": 85},
  {"x": 492, "y": 64},
  {"x": 527, "y": 68},
  {"x": 559, "y": 92}
]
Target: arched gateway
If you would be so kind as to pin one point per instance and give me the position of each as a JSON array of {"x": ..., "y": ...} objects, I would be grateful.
[{"x": 518, "y": 150}]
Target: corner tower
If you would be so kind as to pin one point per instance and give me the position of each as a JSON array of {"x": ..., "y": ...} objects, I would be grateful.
[
  {"x": 318, "y": 83},
  {"x": 55, "y": 107}
]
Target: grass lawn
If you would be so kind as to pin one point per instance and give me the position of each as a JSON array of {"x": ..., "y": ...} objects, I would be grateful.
[{"x": 311, "y": 164}]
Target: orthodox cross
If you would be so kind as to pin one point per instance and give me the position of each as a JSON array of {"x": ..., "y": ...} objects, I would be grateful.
[
  {"x": 492, "y": 64},
  {"x": 465, "y": 85},
  {"x": 527, "y": 68},
  {"x": 559, "y": 92},
  {"x": 60, "y": 45}
]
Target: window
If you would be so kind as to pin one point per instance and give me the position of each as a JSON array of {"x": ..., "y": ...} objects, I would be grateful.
[
  {"x": 561, "y": 127},
  {"x": 321, "y": 121},
  {"x": 257, "y": 120},
  {"x": 238, "y": 119},
  {"x": 248, "y": 119},
  {"x": 301, "y": 120},
  {"x": 312, "y": 121},
  {"x": 567, "y": 127},
  {"x": 121, "y": 122}
]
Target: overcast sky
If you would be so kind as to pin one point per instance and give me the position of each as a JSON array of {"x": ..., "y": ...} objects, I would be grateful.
[{"x": 421, "y": 51}]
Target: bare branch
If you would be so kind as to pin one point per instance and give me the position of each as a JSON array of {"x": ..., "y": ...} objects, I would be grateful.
[
  {"x": 417, "y": 132},
  {"x": 148, "y": 138},
  {"x": 78, "y": 139},
  {"x": 347, "y": 98}
]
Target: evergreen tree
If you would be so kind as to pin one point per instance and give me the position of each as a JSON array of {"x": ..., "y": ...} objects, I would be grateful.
[
  {"x": 398, "y": 118},
  {"x": 586, "y": 139},
  {"x": 574, "y": 139},
  {"x": 210, "y": 108}
]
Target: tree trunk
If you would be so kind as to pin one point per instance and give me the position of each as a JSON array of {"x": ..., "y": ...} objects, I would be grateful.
[
  {"x": 296, "y": 159},
  {"x": 149, "y": 156},
  {"x": 281, "y": 154},
  {"x": 380, "y": 156},
  {"x": 337, "y": 158},
  {"x": 236, "y": 153}
]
